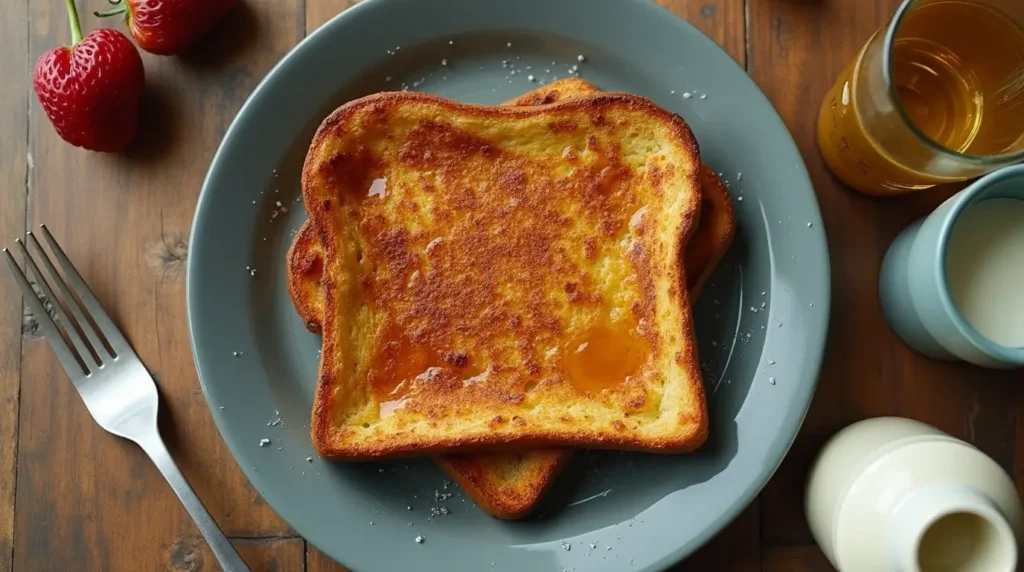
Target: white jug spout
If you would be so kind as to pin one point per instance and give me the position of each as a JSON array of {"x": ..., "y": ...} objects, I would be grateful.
[{"x": 950, "y": 527}]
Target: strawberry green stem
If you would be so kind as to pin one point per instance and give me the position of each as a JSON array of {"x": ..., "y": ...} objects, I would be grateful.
[
  {"x": 119, "y": 8},
  {"x": 76, "y": 27},
  {"x": 111, "y": 12}
]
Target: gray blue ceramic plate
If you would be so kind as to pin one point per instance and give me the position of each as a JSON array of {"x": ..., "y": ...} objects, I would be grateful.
[{"x": 761, "y": 321}]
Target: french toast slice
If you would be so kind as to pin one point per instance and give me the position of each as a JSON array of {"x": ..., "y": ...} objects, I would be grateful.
[
  {"x": 505, "y": 484},
  {"x": 510, "y": 484},
  {"x": 714, "y": 234},
  {"x": 709, "y": 242},
  {"x": 477, "y": 319}
]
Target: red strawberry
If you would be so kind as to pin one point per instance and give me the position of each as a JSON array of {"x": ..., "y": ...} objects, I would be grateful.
[
  {"x": 92, "y": 90},
  {"x": 167, "y": 27}
]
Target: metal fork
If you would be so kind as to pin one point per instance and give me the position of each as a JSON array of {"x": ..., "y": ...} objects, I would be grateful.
[{"x": 114, "y": 384}]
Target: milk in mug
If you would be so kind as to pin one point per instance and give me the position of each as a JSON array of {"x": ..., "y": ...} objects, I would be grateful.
[{"x": 985, "y": 269}]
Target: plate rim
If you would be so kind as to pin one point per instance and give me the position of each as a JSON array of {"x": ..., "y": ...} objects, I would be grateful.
[{"x": 814, "y": 358}]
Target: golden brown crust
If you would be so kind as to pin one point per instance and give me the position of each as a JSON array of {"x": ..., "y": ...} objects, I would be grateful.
[
  {"x": 507, "y": 497},
  {"x": 714, "y": 232},
  {"x": 304, "y": 273},
  {"x": 553, "y": 92},
  {"x": 330, "y": 166},
  {"x": 690, "y": 438}
]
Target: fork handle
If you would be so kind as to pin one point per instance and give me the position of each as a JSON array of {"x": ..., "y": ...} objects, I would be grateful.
[{"x": 226, "y": 555}]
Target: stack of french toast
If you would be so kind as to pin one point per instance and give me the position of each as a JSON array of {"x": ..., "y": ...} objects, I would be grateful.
[{"x": 498, "y": 285}]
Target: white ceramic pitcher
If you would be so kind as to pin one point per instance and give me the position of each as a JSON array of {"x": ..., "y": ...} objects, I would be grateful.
[{"x": 896, "y": 494}]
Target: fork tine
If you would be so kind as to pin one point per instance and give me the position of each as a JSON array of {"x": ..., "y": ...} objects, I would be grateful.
[
  {"x": 91, "y": 306},
  {"x": 68, "y": 357},
  {"x": 83, "y": 325},
  {"x": 72, "y": 326}
]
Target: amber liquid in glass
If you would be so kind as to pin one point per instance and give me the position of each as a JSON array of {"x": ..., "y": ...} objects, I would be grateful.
[{"x": 958, "y": 67}]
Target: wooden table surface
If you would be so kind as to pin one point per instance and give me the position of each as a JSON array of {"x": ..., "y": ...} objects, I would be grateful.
[{"x": 73, "y": 497}]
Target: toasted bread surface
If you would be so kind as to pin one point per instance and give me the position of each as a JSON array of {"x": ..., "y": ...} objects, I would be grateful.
[
  {"x": 305, "y": 256},
  {"x": 464, "y": 323},
  {"x": 506, "y": 484},
  {"x": 707, "y": 245},
  {"x": 714, "y": 232},
  {"x": 304, "y": 272},
  {"x": 709, "y": 242}
]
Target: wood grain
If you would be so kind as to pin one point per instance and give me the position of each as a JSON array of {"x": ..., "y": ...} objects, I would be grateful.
[
  {"x": 720, "y": 20},
  {"x": 797, "y": 49},
  {"x": 318, "y": 12},
  {"x": 795, "y": 70},
  {"x": 86, "y": 499},
  {"x": 317, "y": 561},
  {"x": 794, "y": 559},
  {"x": 14, "y": 161},
  {"x": 191, "y": 554}
]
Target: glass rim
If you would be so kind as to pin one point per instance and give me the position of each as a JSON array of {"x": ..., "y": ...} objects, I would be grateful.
[{"x": 890, "y": 37}]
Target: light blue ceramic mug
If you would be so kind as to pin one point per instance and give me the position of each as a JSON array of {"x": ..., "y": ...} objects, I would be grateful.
[{"x": 915, "y": 290}]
